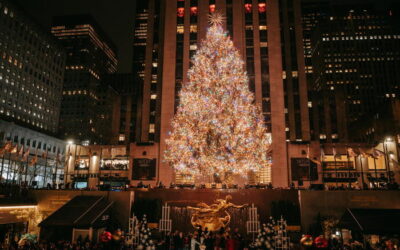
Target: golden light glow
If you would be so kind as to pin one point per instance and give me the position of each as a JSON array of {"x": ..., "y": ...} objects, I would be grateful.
[{"x": 18, "y": 207}]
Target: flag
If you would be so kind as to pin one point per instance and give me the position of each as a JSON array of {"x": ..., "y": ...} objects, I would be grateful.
[
  {"x": 322, "y": 154},
  {"x": 335, "y": 154},
  {"x": 6, "y": 147},
  {"x": 33, "y": 160},
  {"x": 21, "y": 151},
  {"x": 26, "y": 154},
  {"x": 364, "y": 154},
  {"x": 14, "y": 149},
  {"x": 351, "y": 152},
  {"x": 376, "y": 153},
  {"x": 58, "y": 158}
]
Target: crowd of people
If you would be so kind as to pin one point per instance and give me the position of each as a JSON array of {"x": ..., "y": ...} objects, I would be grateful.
[{"x": 204, "y": 240}]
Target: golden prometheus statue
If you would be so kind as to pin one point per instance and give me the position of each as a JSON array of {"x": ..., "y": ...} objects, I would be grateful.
[{"x": 213, "y": 217}]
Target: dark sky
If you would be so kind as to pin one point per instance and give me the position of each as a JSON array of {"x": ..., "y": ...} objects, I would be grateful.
[{"x": 114, "y": 16}]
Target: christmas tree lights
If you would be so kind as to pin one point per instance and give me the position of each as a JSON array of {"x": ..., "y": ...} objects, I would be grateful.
[{"x": 217, "y": 128}]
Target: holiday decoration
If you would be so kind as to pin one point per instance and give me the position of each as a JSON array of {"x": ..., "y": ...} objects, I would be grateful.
[
  {"x": 272, "y": 235},
  {"x": 105, "y": 237},
  {"x": 218, "y": 130},
  {"x": 266, "y": 235},
  {"x": 145, "y": 241},
  {"x": 306, "y": 240},
  {"x": 320, "y": 242}
]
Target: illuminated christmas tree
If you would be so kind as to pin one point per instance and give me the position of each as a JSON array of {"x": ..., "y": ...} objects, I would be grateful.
[{"x": 218, "y": 128}]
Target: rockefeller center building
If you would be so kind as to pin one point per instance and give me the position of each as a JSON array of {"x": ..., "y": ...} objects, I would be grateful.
[{"x": 168, "y": 33}]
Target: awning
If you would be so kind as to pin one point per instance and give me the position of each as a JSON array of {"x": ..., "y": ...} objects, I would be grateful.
[
  {"x": 372, "y": 221},
  {"x": 80, "y": 212}
]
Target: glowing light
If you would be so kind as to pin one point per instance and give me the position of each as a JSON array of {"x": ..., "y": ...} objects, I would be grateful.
[
  {"x": 212, "y": 8},
  {"x": 193, "y": 11},
  {"x": 247, "y": 7},
  {"x": 18, "y": 207},
  {"x": 262, "y": 7},
  {"x": 181, "y": 12}
]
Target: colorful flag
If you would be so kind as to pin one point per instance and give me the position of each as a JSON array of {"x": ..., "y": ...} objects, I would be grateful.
[
  {"x": 26, "y": 154},
  {"x": 21, "y": 151},
  {"x": 6, "y": 147},
  {"x": 33, "y": 160},
  {"x": 335, "y": 154},
  {"x": 322, "y": 154},
  {"x": 58, "y": 158},
  {"x": 14, "y": 149},
  {"x": 377, "y": 153},
  {"x": 351, "y": 152},
  {"x": 363, "y": 153}
]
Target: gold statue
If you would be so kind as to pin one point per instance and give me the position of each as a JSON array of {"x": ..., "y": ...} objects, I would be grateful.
[{"x": 213, "y": 217}]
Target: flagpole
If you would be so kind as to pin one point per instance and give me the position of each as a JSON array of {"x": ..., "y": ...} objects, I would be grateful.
[
  {"x": 376, "y": 171},
  {"x": 348, "y": 161},
  {"x": 101, "y": 154},
  {"x": 9, "y": 165},
  {"x": 15, "y": 169},
  {"x": 26, "y": 168},
  {"x": 45, "y": 167},
  {"x": 55, "y": 171},
  {"x": 336, "y": 171},
  {"x": 362, "y": 171},
  {"x": 387, "y": 161},
  {"x": 2, "y": 164}
]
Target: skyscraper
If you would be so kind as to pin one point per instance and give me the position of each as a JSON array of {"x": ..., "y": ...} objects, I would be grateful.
[
  {"x": 31, "y": 71},
  {"x": 124, "y": 123},
  {"x": 90, "y": 55},
  {"x": 355, "y": 57},
  {"x": 168, "y": 32},
  {"x": 32, "y": 66}
]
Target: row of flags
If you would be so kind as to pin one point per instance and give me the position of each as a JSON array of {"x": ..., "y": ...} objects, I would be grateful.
[
  {"x": 376, "y": 153},
  {"x": 23, "y": 153}
]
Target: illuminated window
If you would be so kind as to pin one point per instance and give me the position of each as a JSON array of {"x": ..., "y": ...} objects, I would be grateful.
[
  {"x": 121, "y": 137},
  {"x": 193, "y": 28},
  {"x": 152, "y": 128},
  {"x": 153, "y": 96},
  {"x": 263, "y": 27},
  {"x": 193, "y": 46},
  {"x": 180, "y": 29}
]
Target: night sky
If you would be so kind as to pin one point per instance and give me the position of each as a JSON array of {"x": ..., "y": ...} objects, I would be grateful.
[{"x": 114, "y": 16}]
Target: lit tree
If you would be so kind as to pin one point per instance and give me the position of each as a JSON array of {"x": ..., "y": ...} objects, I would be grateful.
[{"x": 217, "y": 128}]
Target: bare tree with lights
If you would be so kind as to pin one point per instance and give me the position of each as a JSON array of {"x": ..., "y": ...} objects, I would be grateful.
[{"x": 217, "y": 129}]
